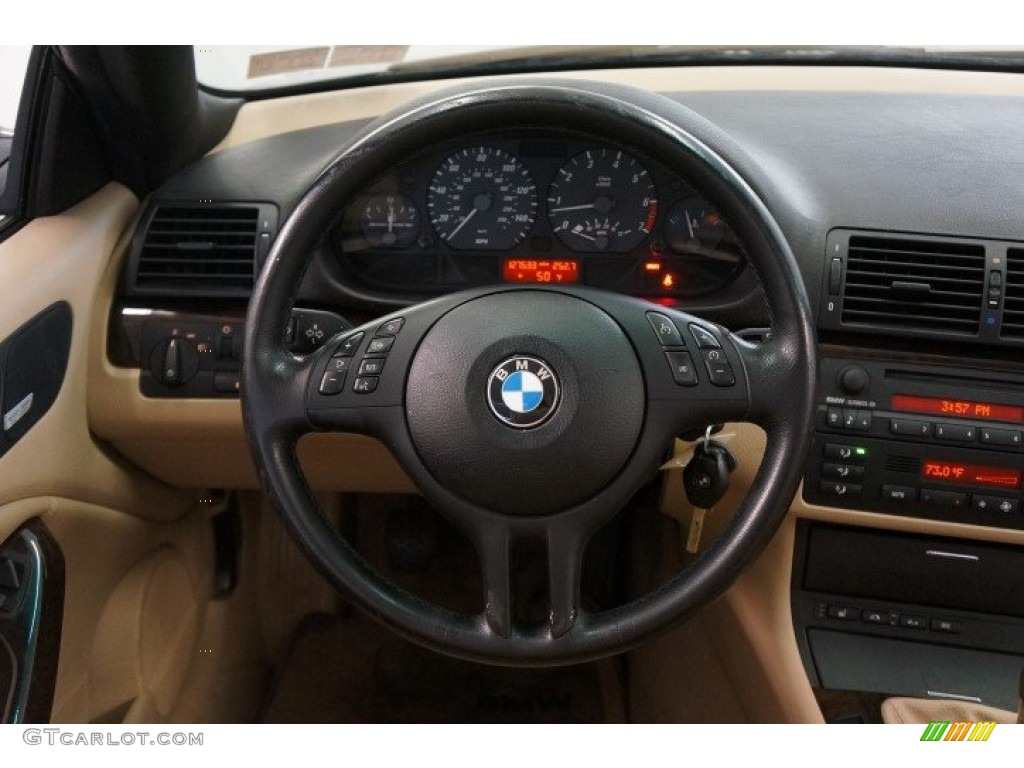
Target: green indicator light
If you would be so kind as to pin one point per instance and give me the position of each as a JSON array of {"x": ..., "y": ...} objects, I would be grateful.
[{"x": 861, "y": 451}]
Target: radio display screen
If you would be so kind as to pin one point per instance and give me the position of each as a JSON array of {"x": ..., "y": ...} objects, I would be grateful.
[
  {"x": 970, "y": 474},
  {"x": 967, "y": 409}
]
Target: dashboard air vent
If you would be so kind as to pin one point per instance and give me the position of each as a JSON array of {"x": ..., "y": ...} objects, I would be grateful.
[
  {"x": 201, "y": 250},
  {"x": 1013, "y": 303},
  {"x": 924, "y": 285}
]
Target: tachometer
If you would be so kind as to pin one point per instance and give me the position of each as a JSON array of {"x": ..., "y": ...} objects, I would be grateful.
[
  {"x": 482, "y": 198},
  {"x": 602, "y": 200}
]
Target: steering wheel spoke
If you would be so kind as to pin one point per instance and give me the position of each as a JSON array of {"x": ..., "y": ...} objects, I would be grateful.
[
  {"x": 775, "y": 373},
  {"x": 565, "y": 547},
  {"x": 494, "y": 546}
]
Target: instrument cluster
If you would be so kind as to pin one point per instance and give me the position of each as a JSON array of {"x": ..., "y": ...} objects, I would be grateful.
[{"x": 535, "y": 207}]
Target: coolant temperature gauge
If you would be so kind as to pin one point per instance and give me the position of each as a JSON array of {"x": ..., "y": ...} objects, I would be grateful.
[{"x": 691, "y": 224}]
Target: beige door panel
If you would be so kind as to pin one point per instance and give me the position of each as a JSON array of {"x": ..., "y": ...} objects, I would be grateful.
[
  {"x": 67, "y": 258},
  {"x": 134, "y": 595},
  {"x": 136, "y": 583}
]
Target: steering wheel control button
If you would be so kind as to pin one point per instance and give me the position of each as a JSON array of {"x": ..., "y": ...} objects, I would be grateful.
[
  {"x": 348, "y": 346},
  {"x": 391, "y": 327},
  {"x": 683, "y": 372},
  {"x": 371, "y": 366},
  {"x": 364, "y": 385},
  {"x": 666, "y": 330},
  {"x": 380, "y": 345},
  {"x": 719, "y": 370},
  {"x": 339, "y": 364},
  {"x": 332, "y": 383},
  {"x": 704, "y": 338},
  {"x": 522, "y": 392}
]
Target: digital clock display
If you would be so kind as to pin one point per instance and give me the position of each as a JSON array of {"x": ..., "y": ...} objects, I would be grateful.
[
  {"x": 546, "y": 271},
  {"x": 967, "y": 409},
  {"x": 971, "y": 474}
]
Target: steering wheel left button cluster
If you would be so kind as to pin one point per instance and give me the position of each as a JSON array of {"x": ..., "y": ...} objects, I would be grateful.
[{"x": 333, "y": 380}]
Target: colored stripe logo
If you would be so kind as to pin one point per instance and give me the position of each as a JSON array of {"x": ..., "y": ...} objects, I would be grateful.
[{"x": 938, "y": 730}]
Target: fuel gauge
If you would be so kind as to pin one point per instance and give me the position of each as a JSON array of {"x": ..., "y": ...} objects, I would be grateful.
[
  {"x": 692, "y": 224},
  {"x": 390, "y": 221}
]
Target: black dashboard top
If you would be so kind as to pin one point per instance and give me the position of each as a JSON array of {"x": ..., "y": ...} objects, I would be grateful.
[{"x": 927, "y": 163}]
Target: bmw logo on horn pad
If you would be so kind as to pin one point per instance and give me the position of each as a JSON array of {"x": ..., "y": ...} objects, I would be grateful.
[{"x": 522, "y": 392}]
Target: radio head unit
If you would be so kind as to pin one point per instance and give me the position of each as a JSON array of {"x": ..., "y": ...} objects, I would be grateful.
[{"x": 915, "y": 440}]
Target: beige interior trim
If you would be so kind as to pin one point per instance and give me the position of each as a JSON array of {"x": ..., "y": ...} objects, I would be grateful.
[
  {"x": 878, "y": 520},
  {"x": 330, "y": 462},
  {"x": 752, "y": 624},
  {"x": 65, "y": 258},
  {"x": 908, "y": 711},
  {"x": 259, "y": 119},
  {"x": 117, "y": 606}
]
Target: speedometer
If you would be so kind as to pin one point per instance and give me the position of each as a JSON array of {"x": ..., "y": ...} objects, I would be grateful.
[
  {"x": 602, "y": 200},
  {"x": 482, "y": 198}
]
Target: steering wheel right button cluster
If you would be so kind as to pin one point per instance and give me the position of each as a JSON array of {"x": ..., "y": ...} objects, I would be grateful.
[{"x": 719, "y": 370}]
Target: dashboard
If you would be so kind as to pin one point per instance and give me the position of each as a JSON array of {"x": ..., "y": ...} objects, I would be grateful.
[
  {"x": 891, "y": 191},
  {"x": 535, "y": 207}
]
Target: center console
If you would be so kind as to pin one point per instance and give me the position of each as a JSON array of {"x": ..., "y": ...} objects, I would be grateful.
[{"x": 920, "y": 413}]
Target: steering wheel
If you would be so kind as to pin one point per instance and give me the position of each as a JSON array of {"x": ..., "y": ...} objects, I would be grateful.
[{"x": 532, "y": 414}]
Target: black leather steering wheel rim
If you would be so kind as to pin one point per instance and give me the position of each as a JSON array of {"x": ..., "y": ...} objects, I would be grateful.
[{"x": 777, "y": 379}]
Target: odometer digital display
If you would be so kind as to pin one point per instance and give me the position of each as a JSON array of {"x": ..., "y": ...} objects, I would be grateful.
[
  {"x": 541, "y": 271},
  {"x": 967, "y": 409},
  {"x": 970, "y": 474}
]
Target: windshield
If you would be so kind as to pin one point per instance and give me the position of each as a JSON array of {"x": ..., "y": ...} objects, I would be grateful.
[
  {"x": 268, "y": 67},
  {"x": 249, "y": 67}
]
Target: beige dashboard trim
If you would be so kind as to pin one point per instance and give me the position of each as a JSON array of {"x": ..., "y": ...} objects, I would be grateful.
[
  {"x": 877, "y": 520},
  {"x": 259, "y": 119}
]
